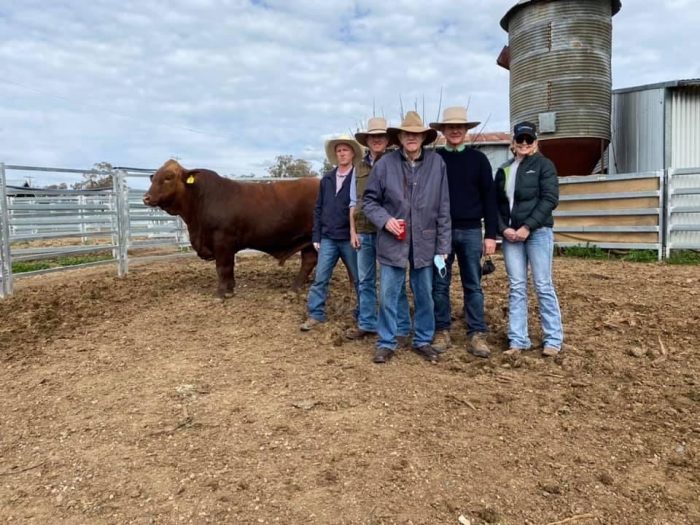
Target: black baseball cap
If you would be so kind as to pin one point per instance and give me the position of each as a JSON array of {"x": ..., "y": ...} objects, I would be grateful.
[{"x": 525, "y": 128}]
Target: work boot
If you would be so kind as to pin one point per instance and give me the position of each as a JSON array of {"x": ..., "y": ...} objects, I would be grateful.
[
  {"x": 309, "y": 324},
  {"x": 441, "y": 341},
  {"x": 427, "y": 352},
  {"x": 550, "y": 351},
  {"x": 383, "y": 355},
  {"x": 355, "y": 334},
  {"x": 478, "y": 346}
]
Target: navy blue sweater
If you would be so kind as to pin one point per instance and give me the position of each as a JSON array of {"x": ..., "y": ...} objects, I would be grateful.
[
  {"x": 472, "y": 190},
  {"x": 332, "y": 212}
]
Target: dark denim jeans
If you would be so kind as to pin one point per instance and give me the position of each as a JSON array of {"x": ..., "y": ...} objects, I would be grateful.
[
  {"x": 467, "y": 248},
  {"x": 328, "y": 255}
]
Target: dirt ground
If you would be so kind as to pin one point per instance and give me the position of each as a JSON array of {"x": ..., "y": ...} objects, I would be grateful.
[{"x": 147, "y": 400}]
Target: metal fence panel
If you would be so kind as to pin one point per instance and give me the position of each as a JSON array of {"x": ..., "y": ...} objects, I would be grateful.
[
  {"x": 683, "y": 210},
  {"x": 41, "y": 224},
  {"x": 622, "y": 211}
]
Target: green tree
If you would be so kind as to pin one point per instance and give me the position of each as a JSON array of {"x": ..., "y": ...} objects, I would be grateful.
[
  {"x": 286, "y": 166},
  {"x": 100, "y": 176}
]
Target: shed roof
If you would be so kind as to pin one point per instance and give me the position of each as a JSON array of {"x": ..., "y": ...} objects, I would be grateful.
[{"x": 690, "y": 82}]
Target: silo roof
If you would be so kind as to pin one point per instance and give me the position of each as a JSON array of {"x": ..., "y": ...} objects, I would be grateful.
[{"x": 505, "y": 21}]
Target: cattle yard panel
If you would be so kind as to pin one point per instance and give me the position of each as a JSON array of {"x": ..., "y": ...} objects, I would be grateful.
[
  {"x": 683, "y": 210},
  {"x": 611, "y": 211},
  {"x": 41, "y": 224}
]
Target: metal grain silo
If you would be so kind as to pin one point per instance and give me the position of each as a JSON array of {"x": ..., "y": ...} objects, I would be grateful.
[{"x": 560, "y": 76}]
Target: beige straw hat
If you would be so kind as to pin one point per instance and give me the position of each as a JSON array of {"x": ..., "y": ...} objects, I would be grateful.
[
  {"x": 343, "y": 139},
  {"x": 412, "y": 123},
  {"x": 375, "y": 126},
  {"x": 454, "y": 115}
]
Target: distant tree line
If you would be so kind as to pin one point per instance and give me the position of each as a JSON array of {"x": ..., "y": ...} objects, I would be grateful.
[{"x": 286, "y": 166}]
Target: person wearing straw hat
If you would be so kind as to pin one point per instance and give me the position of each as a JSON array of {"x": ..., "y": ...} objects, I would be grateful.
[
  {"x": 407, "y": 199},
  {"x": 331, "y": 229},
  {"x": 472, "y": 198},
  {"x": 363, "y": 237}
]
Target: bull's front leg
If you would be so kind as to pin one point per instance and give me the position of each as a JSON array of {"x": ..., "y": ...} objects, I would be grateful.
[{"x": 225, "y": 263}]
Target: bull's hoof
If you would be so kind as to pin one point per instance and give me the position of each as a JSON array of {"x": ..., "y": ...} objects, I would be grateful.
[{"x": 225, "y": 295}]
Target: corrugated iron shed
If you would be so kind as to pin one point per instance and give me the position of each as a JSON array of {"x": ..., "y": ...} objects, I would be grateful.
[{"x": 656, "y": 126}]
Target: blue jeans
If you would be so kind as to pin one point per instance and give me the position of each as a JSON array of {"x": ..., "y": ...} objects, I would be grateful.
[
  {"x": 367, "y": 289},
  {"x": 537, "y": 252},
  {"x": 467, "y": 248},
  {"x": 391, "y": 280},
  {"x": 328, "y": 255}
]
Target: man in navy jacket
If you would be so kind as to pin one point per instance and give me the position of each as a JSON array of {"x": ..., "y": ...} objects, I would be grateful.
[{"x": 331, "y": 231}]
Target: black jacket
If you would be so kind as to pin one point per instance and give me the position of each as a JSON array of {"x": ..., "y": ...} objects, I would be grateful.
[{"x": 536, "y": 194}]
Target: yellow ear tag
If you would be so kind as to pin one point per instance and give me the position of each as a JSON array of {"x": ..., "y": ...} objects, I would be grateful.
[{"x": 190, "y": 179}]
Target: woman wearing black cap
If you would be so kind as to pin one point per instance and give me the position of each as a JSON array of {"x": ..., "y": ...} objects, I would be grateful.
[{"x": 528, "y": 192}]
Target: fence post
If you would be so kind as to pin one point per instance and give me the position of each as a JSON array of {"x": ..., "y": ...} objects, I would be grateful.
[
  {"x": 122, "y": 199},
  {"x": 5, "y": 258}
]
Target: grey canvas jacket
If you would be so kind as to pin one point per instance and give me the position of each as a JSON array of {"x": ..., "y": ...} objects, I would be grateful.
[{"x": 426, "y": 209}]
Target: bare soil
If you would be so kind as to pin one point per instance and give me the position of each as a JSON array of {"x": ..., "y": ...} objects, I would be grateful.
[{"x": 147, "y": 400}]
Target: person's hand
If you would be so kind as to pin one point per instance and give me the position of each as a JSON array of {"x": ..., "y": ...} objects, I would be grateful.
[
  {"x": 355, "y": 240},
  {"x": 393, "y": 227},
  {"x": 509, "y": 235},
  {"x": 489, "y": 246},
  {"x": 522, "y": 233},
  {"x": 317, "y": 246}
]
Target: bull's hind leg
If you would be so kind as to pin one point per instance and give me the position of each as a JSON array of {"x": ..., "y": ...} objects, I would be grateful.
[
  {"x": 225, "y": 263},
  {"x": 309, "y": 257}
]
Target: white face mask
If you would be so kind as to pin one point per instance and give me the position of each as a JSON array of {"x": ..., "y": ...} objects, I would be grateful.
[{"x": 440, "y": 265}]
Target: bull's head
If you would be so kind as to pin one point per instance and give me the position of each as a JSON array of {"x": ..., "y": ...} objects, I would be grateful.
[{"x": 168, "y": 187}]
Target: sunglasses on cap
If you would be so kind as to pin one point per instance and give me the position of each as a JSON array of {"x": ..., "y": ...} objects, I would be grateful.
[{"x": 524, "y": 138}]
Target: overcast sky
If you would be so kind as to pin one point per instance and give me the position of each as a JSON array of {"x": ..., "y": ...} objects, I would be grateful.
[{"x": 231, "y": 84}]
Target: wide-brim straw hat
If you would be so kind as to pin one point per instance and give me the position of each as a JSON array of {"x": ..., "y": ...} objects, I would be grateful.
[
  {"x": 343, "y": 139},
  {"x": 411, "y": 123},
  {"x": 375, "y": 126},
  {"x": 454, "y": 115}
]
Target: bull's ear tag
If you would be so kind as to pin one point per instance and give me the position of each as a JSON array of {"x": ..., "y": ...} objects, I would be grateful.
[{"x": 190, "y": 179}]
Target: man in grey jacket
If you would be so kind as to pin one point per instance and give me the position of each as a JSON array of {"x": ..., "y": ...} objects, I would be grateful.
[{"x": 408, "y": 201}]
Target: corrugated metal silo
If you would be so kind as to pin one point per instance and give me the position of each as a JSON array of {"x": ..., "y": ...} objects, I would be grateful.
[{"x": 560, "y": 76}]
